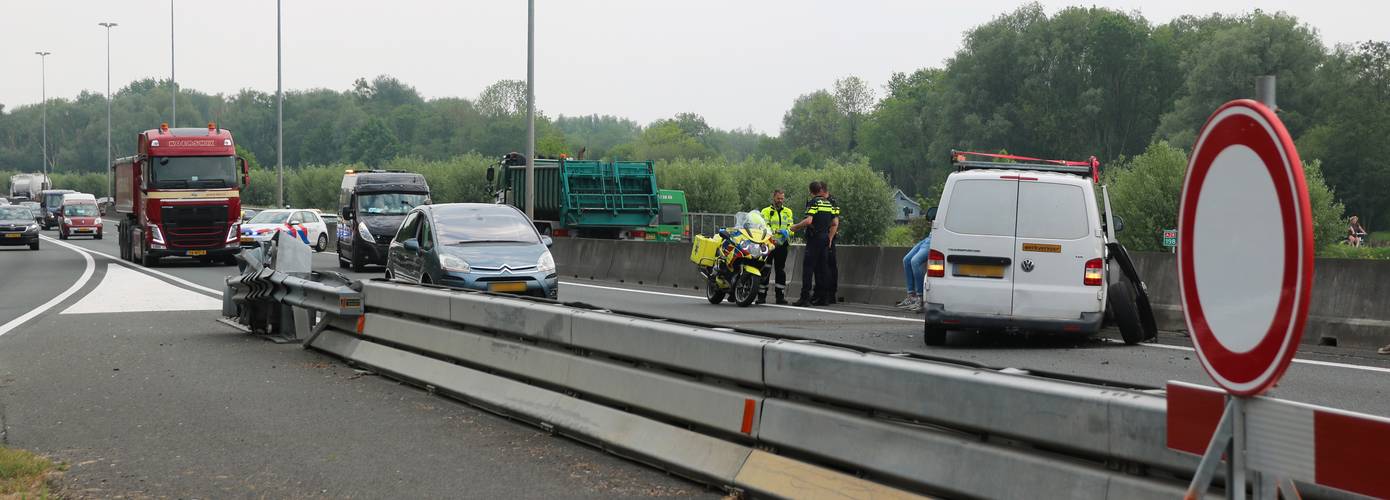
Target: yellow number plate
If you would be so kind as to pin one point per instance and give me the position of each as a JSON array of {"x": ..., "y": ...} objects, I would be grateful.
[
  {"x": 13, "y": 235},
  {"x": 1039, "y": 247},
  {"x": 979, "y": 270},
  {"x": 507, "y": 286},
  {"x": 195, "y": 253}
]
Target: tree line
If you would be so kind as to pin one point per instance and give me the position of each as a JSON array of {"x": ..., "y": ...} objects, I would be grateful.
[{"x": 1079, "y": 82}]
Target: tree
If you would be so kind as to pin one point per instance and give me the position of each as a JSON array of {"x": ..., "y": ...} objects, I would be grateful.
[
  {"x": 1353, "y": 87},
  {"x": 816, "y": 123},
  {"x": 504, "y": 98},
  {"x": 854, "y": 98},
  {"x": 372, "y": 143}
]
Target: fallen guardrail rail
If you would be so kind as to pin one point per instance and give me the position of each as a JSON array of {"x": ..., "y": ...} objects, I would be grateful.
[
  {"x": 278, "y": 296},
  {"x": 755, "y": 414}
]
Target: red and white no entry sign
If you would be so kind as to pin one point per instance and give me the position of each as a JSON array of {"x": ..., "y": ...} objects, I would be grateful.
[{"x": 1245, "y": 251}]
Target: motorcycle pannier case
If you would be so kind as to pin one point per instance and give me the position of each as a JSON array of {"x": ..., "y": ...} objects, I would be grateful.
[{"x": 704, "y": 251}]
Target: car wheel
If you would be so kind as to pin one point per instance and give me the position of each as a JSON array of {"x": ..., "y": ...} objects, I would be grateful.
[
  {"x": 322, "y": 243},
  {"x": 34, "y": 245},
  {"x": 1121, "y": 302},
  {"x": 97, "y": 237},
  {"x": 342, "y": 264},
  {"x": 712, "y": 291},
  {"x": 745, "y": 289},
  {"x": 933, "y": 335},
  {"x": 356, "y": 263},
  {"x": 62, "y": 235}
]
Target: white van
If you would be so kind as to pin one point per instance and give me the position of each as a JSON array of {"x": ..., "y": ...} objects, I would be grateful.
[{"x": 1022, "y": 246}]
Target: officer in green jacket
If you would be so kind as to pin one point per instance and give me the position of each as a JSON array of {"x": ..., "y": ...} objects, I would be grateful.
[{"x": 778, "y": 217}]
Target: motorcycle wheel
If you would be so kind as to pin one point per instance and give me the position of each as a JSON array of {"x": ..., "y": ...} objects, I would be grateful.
[
  {"x": 712, "y": 291},
  {"x": 745, "y": 289}
]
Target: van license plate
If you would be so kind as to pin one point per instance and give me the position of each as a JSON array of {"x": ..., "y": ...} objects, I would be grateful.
[
  {"x": 195, "y": 253},
  {"x": 979, "y": 270},
  {"x": 1042, "y": 247},
  {"x": 507, "y": 286}
]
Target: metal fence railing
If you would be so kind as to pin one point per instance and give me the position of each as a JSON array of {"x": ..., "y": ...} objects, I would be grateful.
[{"x": 708, "y": 223}]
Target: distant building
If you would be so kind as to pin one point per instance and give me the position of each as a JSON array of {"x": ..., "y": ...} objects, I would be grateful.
[{"x": 905, "y": 207}]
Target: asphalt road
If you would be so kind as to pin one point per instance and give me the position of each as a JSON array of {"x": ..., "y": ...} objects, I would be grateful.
[{"x": 130, "y": 381}]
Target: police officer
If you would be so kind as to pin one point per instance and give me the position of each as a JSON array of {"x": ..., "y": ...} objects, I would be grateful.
[
  {"x": 778, "y": 217},
  {"x": 822, "y": 222}
]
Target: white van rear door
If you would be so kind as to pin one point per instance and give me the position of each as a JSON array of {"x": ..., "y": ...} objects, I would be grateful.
[
  {"x": 1055, "y": 240},
  {"x": 977, "y": 240}
]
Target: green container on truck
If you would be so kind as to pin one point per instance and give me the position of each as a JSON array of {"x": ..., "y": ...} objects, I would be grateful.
[{"x": 585, "y": 198}]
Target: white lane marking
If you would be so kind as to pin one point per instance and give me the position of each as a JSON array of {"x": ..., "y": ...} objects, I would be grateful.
[
  {"x": 698, "y": 297},
  {"x": 77, "y": 285},
  {"x": 828, "y": 311},
  {"x": 1333, "y": 364},
  {"x": 124, "y": 290},
  {"x": 145, "y": 270}
]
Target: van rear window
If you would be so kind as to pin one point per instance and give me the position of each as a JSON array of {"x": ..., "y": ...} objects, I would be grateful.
[
  {"x": 983, "y": 207},
  {"x": 1052, "y": 211}
]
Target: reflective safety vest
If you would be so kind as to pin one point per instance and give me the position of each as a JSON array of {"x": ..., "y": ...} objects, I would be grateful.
[{"x": 779, "y": 220}]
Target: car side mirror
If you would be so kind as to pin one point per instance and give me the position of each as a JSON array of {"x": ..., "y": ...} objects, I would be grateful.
[
  {"x": 931, "y": 213},
  {"x": 345, "y": 213},
  {"x": 491, "y": 174},
  {"x": 547, "y": 241},
  {"x": 1119, "y": 223},
  {"x": 411, "y": 245}
]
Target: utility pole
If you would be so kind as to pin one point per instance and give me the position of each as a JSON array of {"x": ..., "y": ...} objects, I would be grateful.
[
  {"x": 108, "y": 27},
  {"x": 530, "y": 109},
  {"x": 279, "y": 115},
  {"x": 173, "y": 83},
  {"x": 43, "y": 89}
]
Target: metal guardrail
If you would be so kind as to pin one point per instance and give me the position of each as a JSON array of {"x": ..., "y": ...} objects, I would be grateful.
[
  {"x": 709, "y": 223},
  {"x": 286, "y": 303}
]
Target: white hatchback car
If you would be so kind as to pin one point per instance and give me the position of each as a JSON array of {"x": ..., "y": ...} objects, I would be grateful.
[
  {"x": 304, "y": 224},
  {"x": 1023, "y": 246}
]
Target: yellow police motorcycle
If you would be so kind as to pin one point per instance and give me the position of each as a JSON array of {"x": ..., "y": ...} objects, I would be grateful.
[{"x": 732, "y": 261}]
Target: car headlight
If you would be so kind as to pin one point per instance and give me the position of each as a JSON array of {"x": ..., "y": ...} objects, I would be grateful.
[
  {"x": 453, "y": 264},
  {"x": 32, "y": 227},
  {"x": 546, "y": 264},
  {"x": 67, "y": 221},
  {"x": 363, "y": 232}
]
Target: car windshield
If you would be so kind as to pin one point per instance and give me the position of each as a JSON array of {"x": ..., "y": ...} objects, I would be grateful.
[
  {"x": 471, "y": 225},
  {"x": 80, "y": 210},
  {"x": 54, "y": 199},
  {"x": 269, "y": 218},
  {"x": 12, "y": 212},
  {"x": 389, "y": 203},
  {"x": 189, "y": 172}
]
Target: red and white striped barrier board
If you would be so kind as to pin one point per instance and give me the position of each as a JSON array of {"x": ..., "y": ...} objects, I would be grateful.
[{"x": 1333, "y": 448}]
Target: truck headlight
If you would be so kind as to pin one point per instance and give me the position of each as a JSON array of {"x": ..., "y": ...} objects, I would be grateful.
[
  {"x": 155, "y": 235},
  {"x": 232, "y": 233},
  {"x": 453, "y": 264},
  {"x": 363, "y": 232},
  {"x": 546, "y": 263}
]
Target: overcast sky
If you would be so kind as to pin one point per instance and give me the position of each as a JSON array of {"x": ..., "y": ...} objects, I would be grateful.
[{"x": 738, "y": 63}]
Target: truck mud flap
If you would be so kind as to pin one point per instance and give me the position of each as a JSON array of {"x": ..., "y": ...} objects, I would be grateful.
[{"x": 1141, "y": 298}]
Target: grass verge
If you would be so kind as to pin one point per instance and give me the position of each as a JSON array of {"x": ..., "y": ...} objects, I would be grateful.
[{"x": 24, "y": 475}]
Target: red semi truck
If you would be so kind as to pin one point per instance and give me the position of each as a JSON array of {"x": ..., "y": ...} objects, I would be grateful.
[{"x": 180, "y": 196}]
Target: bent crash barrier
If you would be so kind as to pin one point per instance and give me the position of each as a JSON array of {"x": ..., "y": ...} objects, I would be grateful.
[{"x": 745, "y": 411}]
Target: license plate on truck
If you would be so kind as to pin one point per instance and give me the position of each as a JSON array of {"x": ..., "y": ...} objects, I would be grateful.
[
  {"x": 195, "y": 253},
  {"x": 507, "y": 286},
  {"x": 979, "y": 270}
]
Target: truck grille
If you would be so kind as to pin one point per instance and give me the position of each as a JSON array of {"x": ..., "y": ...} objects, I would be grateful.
[{"x": 194, "y": 226}]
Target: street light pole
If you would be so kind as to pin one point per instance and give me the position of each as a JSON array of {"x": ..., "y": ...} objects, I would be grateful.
[
  {"x": 43, "y": 89},
  {"x": 173, "y": 83},
  {"x": 531, "y": 109},
  {"x": 108, "y": 27},
  {"x": 279, "y": 115}
]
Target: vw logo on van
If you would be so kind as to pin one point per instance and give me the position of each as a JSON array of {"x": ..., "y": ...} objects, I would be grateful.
[{"x": 1027, "y": 266}]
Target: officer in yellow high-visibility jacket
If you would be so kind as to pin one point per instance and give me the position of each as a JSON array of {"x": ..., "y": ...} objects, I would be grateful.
[{"x": 778, "y": 217}]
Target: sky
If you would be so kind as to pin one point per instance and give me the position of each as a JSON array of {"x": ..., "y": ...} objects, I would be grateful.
[{"x": 737, "y": 63}]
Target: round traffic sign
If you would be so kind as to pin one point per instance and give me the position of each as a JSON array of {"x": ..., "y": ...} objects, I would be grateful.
[{"x": 1245, "y": 247}]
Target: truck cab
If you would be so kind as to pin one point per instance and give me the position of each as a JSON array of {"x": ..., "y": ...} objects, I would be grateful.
[
  {"x": 371, "y": 205},
  {"x": 180, "y": 196}
]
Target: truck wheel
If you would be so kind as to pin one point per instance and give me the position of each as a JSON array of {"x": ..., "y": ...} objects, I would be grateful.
[
  {"x": 933, "y": 335},
  {"x": 712, "y": 291},
  {"x": 1121, "y": 301}
]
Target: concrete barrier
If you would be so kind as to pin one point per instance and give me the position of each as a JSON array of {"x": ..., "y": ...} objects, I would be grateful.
[{"x": 1349, "y": 302}]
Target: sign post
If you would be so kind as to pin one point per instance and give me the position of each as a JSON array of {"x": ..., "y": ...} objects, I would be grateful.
[{"x": 1245, "y": 292}]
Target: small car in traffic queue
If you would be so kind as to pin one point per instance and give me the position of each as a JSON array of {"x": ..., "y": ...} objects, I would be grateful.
[
  {"x": 476, "y": 246},
  {"x": 303, "y": 224},
  {"x": 81, "y": 216},
  {"x": 18, "y": 227},
  {"x": 1027, "y": 244}
]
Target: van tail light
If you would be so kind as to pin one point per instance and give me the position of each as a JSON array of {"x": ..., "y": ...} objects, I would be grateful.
[
  {"x": 1094, "y": 273},
  {"x": 936, "y": 264}
]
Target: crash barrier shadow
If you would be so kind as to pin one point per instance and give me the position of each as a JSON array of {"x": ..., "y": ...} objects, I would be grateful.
[
  {"x": 753, "y": 412},
  {"x": 1349, "y": 306}
]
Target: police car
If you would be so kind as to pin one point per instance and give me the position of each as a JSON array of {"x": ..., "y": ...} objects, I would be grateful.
[
  {"x": 303, "y": 224},
  {"x": 1022, "y": 244}
]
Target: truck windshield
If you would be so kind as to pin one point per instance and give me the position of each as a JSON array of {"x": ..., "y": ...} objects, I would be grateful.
[
  {"x": 389, "y": 203},
  {"x": 80, "y": 210},
  {"x": 191, "y": 172}
]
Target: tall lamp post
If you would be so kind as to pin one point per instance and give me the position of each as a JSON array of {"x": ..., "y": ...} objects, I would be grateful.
[
  {"x": 43, "y": 86},
  {"x": 279, "y": 116},
  {"x": 108, "y": 27},
  {"x": 530, "y": 109},
  {"x": 174, "y": 99}
]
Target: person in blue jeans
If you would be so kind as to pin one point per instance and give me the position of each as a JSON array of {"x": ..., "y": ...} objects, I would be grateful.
[{"x": 914, "y": 271}]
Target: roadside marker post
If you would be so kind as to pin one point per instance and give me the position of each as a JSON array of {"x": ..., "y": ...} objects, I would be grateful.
[{"x": 1245, "y": 267}]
